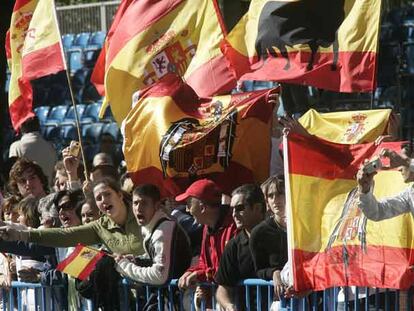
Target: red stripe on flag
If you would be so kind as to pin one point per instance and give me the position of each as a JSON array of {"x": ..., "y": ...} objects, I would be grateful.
[
  {"x": 64, "y": 263},
  {"x": 90, "y": 266},
  {"x": 139, "y": 16},
  {"x": 211, "y": 76},
  {"x": 21, "y": 108},
  {"x": 356, "y": 70},
  {"x": 378, "y": 266},
  {"x": 7, "y": 46},
  {"x": 323, "y": 159},
  {"x": 34, "y": 65},
  {"x": 20, "y": 3},
  {"x": 98, "y": 73}
]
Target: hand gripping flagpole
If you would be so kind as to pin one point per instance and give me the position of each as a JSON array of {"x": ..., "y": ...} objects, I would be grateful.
[{"x": 72, "y": 97}]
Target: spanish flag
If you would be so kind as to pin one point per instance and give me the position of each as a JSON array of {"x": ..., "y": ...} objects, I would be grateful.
[
  {"x": 349, "y": 127},
  {"x": 172, "y": 137},
  {"x": 81, "y": 262},
  {"x": 332, "y": 243},
  {"x": 98, "y": 73},
  {"x": 153, "y": 39},
  {"x": 327, "y": 44},
  {"x": 34, "y": 50}
]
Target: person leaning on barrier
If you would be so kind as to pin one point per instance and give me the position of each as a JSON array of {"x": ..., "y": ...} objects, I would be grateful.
[
  {"x": 204, "y": 200},
  {"x": 166, "y": 244},
  {"x": 117, "y": 228},
  {"x": 390, "y": 207},
  {"x": 236, "y": 263}
]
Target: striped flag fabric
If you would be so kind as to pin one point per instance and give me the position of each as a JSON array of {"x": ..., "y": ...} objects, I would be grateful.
[
  {"x": 81, "y": 262},
  {"x": 34, "y": 50},
  {"x": 153, "y": 39},
  {"x": 172, "y": 137},
  {"x": 331, "y": 242},
  {"x": 327, "y": 44}
]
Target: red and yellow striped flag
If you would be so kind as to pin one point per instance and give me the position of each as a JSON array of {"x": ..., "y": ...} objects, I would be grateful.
[
  {"x": 33, "y": 50},
  {"x": 323, "y": 43},
  {"x": 81, "y": 262},
  {"x": 173, "y": 137},
  {"x": 331, "y": 242},
  {"x": 153, "y": 39}
]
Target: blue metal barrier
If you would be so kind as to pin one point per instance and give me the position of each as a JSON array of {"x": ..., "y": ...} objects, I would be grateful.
[{"x": 258, "y": 295}]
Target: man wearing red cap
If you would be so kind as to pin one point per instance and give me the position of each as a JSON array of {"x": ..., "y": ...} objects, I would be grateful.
[{"x": 204, "y": 202}]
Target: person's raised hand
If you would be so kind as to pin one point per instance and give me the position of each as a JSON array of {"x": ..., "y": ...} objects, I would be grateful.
[
  {"x": 364, "y": 179},
  {"x": 396, "y": 159},
  {"x": 291, "y": 125},
  {"x": 70, "y": 163}
]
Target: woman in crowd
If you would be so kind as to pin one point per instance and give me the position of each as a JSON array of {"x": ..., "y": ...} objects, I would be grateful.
[{"x": 117, "y": 229}]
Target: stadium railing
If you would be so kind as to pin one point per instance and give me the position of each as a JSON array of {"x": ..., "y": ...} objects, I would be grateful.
[{"x": 258, "y": 295}]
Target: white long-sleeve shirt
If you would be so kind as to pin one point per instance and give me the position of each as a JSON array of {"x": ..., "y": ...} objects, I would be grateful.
[
  {"x": 160, "y": 244},
  {"x": 390, "y": 207}
]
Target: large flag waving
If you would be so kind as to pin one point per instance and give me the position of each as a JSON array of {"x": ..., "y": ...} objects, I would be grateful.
[
  {"x": 98, "y": 74},
  {"x": 332, "y": 243},
  {"x": 323, "y": 43},
  {"x": 153, "y": 39},
  {"x": 173, "y": 137},
  {"x": 33, "y": 50}
]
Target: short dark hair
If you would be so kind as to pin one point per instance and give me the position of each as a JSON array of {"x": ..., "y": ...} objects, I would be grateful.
[
  {"x": 30, "y": 125},
  {"x": 109, "y": 182},
  {"x": 17, "y": 170},
  {"x": 148, "y": 190},
  {"x": 28, "y": 207},
  {"x": 76, "y": 200},
  {"x": 278, "y": 180},
  {"x": 252, "y": 195}
]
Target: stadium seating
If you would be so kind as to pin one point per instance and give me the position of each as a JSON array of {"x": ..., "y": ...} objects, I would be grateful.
[
  {"x": 92, "y": 133},
  {"x": 69, "y": 133},
  {"x": 42, "y": 113},
  {"x": 113, "y": 129},
  {"x": 75, "y": 57},
  {"x": 70, "y": 117},
  {"x": 56, "y": 115},
  {"x": 97, "y": 39},
  {"x": 81, "y": 40},
  {"x": 90, "y": 115},
  {"x": 67, "y": 40}
]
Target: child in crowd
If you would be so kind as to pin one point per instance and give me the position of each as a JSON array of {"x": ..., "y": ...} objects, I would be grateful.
[{"x": 9, "y": 209}]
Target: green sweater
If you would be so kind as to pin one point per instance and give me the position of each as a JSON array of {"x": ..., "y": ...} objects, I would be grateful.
[{"x": 117, "y": 239}]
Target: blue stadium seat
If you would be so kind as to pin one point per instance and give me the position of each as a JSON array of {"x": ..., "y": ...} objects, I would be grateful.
[
  {"x": 113, "y": 129},
  {"x": 56, "y": 115},
  {"x": 90, "y": 151},
  {"x": 262, "y": 85},
  {"x": 108, "y": 117},
  {"x": 81, "y": 40},
  {"x": 52, "y": 133},
  {"x": 90, "y": 115},
  {"x": 97, "y": 39},
  {"x": 70, "y": 117},
  {"x": 408, "y": 62},
  {"x": 42, "y": 112},
  {"x": 69, "y": 133},
  {"x": 91, "y": 133},
  {"x": 75, "y": 57},
  {"x": 91, "y": 55},
  {"x": 67, "y": 40}
]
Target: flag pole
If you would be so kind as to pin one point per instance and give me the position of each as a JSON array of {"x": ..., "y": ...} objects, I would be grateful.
[{"x": 72, "y": 97}]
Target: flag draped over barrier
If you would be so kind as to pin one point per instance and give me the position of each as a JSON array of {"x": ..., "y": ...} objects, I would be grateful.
[
  {"x": 34, "y": 50},
  {"x": 81, "y": 262},
  {"x": 326, "y": 44},
  {"x": 173, "y": 137},
  {"x": 153, "y": 39},
  {"x": 332, "y": 242}
]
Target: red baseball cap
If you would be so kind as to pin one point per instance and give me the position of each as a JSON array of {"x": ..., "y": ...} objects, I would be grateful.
[{"x": 203, "y": 189}]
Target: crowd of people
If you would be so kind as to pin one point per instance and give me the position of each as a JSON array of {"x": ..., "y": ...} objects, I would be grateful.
[{"x": 200, "y": 236}]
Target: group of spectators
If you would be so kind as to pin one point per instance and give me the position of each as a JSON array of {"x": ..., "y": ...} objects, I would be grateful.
[{"x": 199, "y": 236}]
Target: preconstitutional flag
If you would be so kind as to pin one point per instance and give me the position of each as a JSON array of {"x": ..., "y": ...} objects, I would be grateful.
[
  {"x": 81, "y": 262},
  {"x": 331, "y": 242},
  {"x": 98, "y": 74},
  {"x": 153, "y": 39},
  {"x": 34, "y": 50},
  {"x": 172, "y": 137},
  {"x": 348, "y": 127},
  {"x": 323, "y": 43}
]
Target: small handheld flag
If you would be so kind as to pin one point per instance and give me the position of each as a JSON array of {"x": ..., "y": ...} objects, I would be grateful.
[{"x": 81, "y": 262}]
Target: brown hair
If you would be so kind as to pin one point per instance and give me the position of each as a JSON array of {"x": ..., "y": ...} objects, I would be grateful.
[
  {"x": 17, "y": 170},
  {"x": 28, "y": 207},
  {"x": 278, "y": 180},
  {"x": 9, "y": 204}
]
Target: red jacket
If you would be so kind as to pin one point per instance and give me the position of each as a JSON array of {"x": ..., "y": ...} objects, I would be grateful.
[{"x": 212, "y": 246}]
